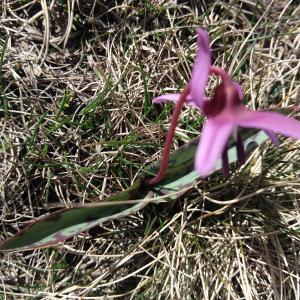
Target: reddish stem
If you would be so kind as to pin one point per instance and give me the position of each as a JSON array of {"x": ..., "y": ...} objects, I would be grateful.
[{"x": 169, "y": 139}]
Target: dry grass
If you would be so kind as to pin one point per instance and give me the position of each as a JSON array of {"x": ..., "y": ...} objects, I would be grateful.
[{"x": 77, "y": 125}]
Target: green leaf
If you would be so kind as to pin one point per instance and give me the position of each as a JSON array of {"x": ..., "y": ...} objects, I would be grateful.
[
  {"x": 58, "y": 226},
  {"x": 179, "y": 178}
]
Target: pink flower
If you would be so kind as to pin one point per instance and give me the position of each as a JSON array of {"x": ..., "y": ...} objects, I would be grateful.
[
  {"x": 200, "y": 73},
  {"x": 225, "y": 113}
]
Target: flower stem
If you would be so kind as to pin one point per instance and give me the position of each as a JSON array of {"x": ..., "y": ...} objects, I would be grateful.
[{"x": 169, "y": 139}]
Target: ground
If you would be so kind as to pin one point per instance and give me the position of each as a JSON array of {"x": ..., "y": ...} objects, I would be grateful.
[{"x": 77, "y": 125}]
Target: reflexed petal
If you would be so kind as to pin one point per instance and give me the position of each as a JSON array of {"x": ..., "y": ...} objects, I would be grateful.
[
  {"x": 212, "y": 143},
  {"x": 173, "y": 98},
  {"x": 201, "y": 68},
  {"x": 269, "y": 121}
]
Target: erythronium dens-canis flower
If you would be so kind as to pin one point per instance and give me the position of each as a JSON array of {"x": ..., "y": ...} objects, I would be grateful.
[{"x": 225, "y": 113}]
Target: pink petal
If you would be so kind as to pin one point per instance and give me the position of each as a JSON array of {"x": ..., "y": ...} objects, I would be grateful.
[
  {"x": 165, "y": 98},
  {"x": 269, "y": 121},
  {"x": 201, "y": 67},
  {"x": 174, "y": 98},
  {"x": 212, "y": 143}
]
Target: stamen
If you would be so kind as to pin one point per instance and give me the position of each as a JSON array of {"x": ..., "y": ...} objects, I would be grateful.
[
  {"x": 225, "y": 163},
  {"x": 222, "y": 73},
  {"x": 240, "y": 149},
  {"x": 169, "y": 139},
  {"x": 273, "y": 137}
]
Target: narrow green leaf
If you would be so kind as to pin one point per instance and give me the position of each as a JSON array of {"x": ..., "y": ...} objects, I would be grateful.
[{"x": 35, "y": 132}]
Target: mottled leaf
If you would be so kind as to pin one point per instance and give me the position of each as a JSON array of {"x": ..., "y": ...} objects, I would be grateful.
[{"x": 180, "y": 177}]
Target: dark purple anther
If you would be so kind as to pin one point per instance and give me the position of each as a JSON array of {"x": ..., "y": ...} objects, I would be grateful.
[
  {"x": 225, "y": 163},
  {"x": 240, "y": 149}
]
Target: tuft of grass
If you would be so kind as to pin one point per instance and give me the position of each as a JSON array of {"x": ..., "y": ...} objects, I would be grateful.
[
  {"x": 77, "y": 125},
  {"x": 3, "y": 100}
]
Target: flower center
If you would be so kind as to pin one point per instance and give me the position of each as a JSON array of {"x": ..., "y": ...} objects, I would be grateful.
[
  {"x": 225, "y": 96},
  {"x": 217, "y": 103}
]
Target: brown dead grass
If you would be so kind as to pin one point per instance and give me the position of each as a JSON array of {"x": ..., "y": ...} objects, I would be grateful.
[{"x": 77, "y": 74}]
